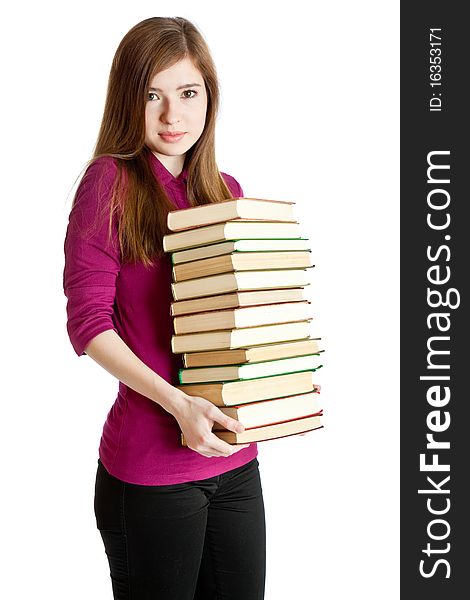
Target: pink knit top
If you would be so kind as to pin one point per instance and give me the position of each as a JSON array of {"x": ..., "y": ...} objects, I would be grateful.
[{"x": 140, "y": 442}]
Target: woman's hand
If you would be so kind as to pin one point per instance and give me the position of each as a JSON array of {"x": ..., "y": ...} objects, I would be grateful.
[{"x": 196, "y": 416}]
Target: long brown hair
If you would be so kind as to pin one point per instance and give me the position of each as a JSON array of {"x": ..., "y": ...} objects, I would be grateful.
[{"x": 138, "y": 198}]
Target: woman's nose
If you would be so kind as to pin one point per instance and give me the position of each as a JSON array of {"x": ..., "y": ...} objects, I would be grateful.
[{"x": 170, "y": 113}]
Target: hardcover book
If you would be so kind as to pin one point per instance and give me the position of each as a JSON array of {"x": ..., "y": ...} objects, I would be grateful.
[
  {"x": 252, "y": 354},
  {"x": 241, "y": 281},
  {"x": 231, "y": 393},
  {"x": 221, "y": 248},
  {"x": 248, "y": 316},
  {"x": 230, "y": 230},
  {"x": 277, "y": 410},
  {"x": 236, "y": 299},
  {"x": 229, "y": 209},
  {"x": 242, "y": 261},
  {"x": 268, "y": 432},
  {"x": 250, "y": 371},
  {"x": 239, "y": 338}
]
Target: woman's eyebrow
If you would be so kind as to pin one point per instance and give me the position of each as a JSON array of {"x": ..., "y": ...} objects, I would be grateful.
[{"x": 186, "y": 85}]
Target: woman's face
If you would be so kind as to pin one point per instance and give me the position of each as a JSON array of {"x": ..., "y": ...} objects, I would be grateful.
[{"x": 176, "y": 102}]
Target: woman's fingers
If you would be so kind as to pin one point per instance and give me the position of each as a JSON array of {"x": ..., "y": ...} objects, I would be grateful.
[
  {"x": 227, "y": 422},
  {"x": 197, "y": 423},
  {"x": 230, "y": 424}
]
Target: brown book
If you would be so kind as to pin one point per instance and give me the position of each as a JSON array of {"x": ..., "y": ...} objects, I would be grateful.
[
  {"x": 268, "y": 432},
  {"x": 240, "y": 338},
  {"x": 251, "y": 355},
  {"x": 230, "y": 209},
  {"x": 231, "y": 393},
  {"x": 230, "y": 230},
  {"x": 235, "y": 300},
  {"x": 239, "y": 280},
  {"x": 270, "y": 412},
  {"x": 248, "y": 316},
  {"x": 221, "y": 248},
  {"x": 242, "y": 261}
]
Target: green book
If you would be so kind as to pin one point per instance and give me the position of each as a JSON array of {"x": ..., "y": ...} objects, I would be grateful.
[{"x": 309, "y": 362}]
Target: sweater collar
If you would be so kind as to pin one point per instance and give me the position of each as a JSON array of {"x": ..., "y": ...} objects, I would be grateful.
[{"x": 163, "y": 174}]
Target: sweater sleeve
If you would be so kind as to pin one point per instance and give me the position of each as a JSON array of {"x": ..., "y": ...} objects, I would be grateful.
[{"x": 92, "y": 262}]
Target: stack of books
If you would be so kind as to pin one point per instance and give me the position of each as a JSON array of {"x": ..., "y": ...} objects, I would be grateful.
[{"x": 240, "y": 318}]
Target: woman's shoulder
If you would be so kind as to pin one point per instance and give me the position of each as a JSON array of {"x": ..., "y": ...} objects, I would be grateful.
[
  {"x": 103, "y": 166},
  {"x": 99, "y": 175},
  {"x": 233, "y": 185},
  {"x": 96, "y": 184}
]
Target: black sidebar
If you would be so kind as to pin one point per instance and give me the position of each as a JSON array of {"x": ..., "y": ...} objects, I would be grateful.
[{"x": 435, "y": 269}]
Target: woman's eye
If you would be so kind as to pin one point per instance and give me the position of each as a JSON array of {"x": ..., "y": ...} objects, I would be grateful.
[{"x": 154, "y": 96}]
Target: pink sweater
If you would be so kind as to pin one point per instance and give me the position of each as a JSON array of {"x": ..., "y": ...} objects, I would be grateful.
[{"x": 140, "y": 442}]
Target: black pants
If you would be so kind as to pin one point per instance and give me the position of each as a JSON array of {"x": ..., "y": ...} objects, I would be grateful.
[{"x": 200, "y": 540}]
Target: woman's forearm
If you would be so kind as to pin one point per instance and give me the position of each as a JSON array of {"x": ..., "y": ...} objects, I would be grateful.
[{"x": 113, "y": 354}]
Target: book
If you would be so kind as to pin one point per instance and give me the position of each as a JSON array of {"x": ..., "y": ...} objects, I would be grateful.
[
  {"x": 270, "y": 412},
  {"x": 230, "y": 230},
  {"x": 221, "y": 248},
  {"x": 250, "y": 371},
  {"x": 252, "y": 354},
  {"x": 231, "y": 393},
  {"x": 236, "y": 299},
  {"x": 239, "y": 338},
  {"x": 242, "y": 261},
  {"x": 239, "y": 280},
  {"x": 248, "y": 316},
  {"x": 268, "y": 432},
  {"x": 229, "y": 209}
]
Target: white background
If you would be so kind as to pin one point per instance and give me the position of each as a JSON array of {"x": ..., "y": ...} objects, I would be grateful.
[{"x": 309, "y": 114}]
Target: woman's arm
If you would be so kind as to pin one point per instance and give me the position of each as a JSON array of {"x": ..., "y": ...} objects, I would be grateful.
[
  {"x": 114, "y": 355},
  {"x": 195, "y": 415}
]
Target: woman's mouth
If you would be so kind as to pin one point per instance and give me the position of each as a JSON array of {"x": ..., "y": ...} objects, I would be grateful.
[{"x": 172, "y": 137}]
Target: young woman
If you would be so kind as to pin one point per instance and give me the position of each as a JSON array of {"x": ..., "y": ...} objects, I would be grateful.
[{"x": 177, "y": 522}]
